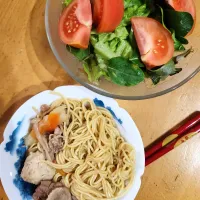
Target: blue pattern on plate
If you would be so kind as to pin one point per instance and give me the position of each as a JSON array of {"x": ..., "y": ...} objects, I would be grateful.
[
  {"x": 11, "y": 145},
  {"x": 100, "y": 103},
  {"x": 26, "y": 189}
]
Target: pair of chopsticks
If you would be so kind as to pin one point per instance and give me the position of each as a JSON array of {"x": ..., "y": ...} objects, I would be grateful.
[{"x": 186, "y": 130}]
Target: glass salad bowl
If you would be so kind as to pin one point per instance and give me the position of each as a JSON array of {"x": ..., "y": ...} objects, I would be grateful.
[{"x": 190, "y": 65}]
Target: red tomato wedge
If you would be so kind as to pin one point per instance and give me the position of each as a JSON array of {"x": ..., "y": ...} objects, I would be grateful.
[
  {"x": 75, "y": 24},
  {"x": 107, "y": 14},
  {"x": 184, "y": 6},
  {"x": 154, "y": 41}
]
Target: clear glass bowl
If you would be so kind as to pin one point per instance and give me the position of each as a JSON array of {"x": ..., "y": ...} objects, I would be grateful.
[{"x": 190, "y": 65}]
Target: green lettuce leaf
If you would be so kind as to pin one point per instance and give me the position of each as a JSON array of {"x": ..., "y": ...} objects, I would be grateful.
[
  {"x": 93, "y": 71},
  {"x": 121, "y": 32},
  {"x": 101, "y": 62},
  {"x": 110, "y": 45},
  {"x": 135, "y": 10},
  {"x": 67, "y": 2},
  {"x": 131, "y": 3},
  {"x": 178, "y": 46}
]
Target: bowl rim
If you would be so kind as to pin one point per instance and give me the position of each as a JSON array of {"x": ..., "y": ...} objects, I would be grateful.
[{"x": 100, "y": 91}]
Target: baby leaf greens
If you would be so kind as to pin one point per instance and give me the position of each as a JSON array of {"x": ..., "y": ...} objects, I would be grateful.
[
  {"x": 163, "y": 72},
  {"x": 67, "y": 2},
  {"x": 81, "y": 54},
  {"x": 180, "y": 22},
  {"x": 116, "y": 56},
  {"x": 123, "y": 72}
]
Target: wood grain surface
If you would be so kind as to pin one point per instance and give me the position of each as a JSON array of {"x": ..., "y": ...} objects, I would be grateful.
[{"x": 28, "y": 66}]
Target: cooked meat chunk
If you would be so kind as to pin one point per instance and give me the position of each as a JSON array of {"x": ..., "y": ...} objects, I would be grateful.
[
  {"x": 57, "y": 131},
  {"x": 34, "y": 170},
  {"x": 61, "y": 193},
  {"x": 55, "y": 185},
  {"x": 43, "y": 190},
  {"x": 74, "y": 198},
  {"x": 44, "y": 108},
  {"x": 47, "y": 187},
  {"x": 56, "y": 141}
]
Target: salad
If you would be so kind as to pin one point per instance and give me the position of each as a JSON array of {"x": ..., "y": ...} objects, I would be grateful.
[{"x": 126, "y": 41}]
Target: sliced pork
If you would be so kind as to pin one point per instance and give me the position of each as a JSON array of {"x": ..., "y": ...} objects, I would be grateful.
[{"x": 61, "y": 193}]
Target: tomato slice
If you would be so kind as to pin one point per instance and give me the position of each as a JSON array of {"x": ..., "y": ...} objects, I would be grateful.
[
  {"x": 154, "y": 41},
  {"x": 75, "y": 24},
  {"x": 107, "y": 14},
  {"x": 97, "y": 11},
  {"x": 184, "y": 6},
  {"x": 84, "y": 12}
]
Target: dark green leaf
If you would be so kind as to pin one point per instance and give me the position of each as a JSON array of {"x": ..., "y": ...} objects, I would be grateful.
[
  {"x": 150, "y": 4},
  {"x": 166, "y": 69},
  {"x": 81, "y": 54},
  {"x": 177, "y": 70},
  {"x": 180, "y": 22},
  {"x": 154, "y": 77},
  {"x": 135, "y": 59},
  {"x": 123, "y": 72},
  {"x": 159, "y": 15},
  {"x": 182, "y": 40},
  {"x": 163, "y": 72},
  {"x": 132, "y": 39},
  {"x": 177, "y": 44}
]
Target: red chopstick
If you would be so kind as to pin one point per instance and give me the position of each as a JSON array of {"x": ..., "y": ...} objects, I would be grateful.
[
  {"x": 172, "y": 145},
  {"x": 166, "y": 139}
]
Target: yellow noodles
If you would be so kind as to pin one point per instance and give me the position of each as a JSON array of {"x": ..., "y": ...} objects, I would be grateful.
[{"x": 97, "y": 161}]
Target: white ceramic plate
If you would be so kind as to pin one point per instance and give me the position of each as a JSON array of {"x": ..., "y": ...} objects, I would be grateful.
[{"x": 12, "y": 150}]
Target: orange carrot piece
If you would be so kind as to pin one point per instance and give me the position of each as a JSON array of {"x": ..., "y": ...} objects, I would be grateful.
[
  {"x": 50, "y": 124},
  {"x": 61, "y": 172},
  {"x": 53, "y": 119},
  {"x": 33, "y": 134}
]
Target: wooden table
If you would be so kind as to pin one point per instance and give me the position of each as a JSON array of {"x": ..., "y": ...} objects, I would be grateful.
[{"x": 28, "y": 67}]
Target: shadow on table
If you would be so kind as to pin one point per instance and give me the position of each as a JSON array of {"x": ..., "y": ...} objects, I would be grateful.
[
  {"x": 39, "y": 53},
  {"x": 20, "y": 98}
]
